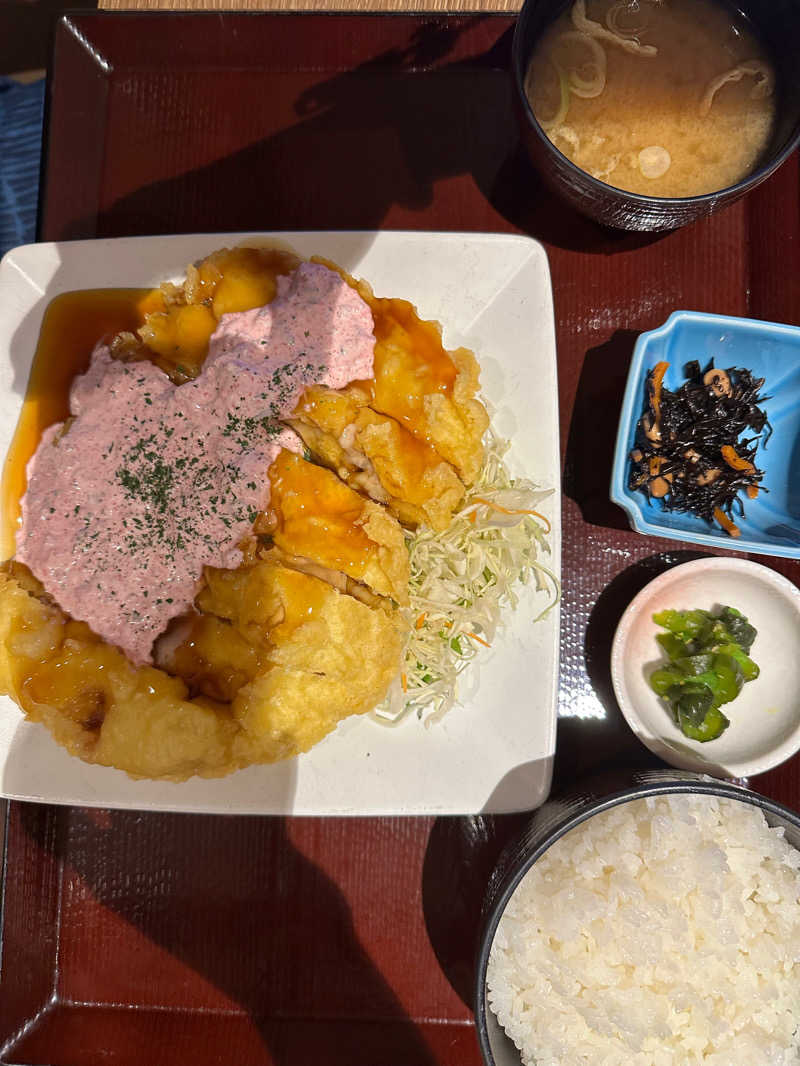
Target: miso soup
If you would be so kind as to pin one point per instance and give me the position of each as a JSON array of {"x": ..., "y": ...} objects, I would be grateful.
[{"x": 659, "y": 97}]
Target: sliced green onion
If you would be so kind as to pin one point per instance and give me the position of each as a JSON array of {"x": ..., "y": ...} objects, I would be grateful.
[
  {"x": 584, "y": 24},
  {"x": 587, "y": 88},
  {"x": 563, "y": 99}
]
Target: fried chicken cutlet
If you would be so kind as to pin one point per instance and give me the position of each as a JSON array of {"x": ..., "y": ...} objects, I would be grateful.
[
  {"x": 412, "y": 435},
  {"x": 288, "y": 657}
]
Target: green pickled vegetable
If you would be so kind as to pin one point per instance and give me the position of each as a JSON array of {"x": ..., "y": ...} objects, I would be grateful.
[
  {"x": 730, "y": 679},
  {"x": 708, "y": 666},
  {"x": 740, "y": 629},
  {"x": 714, "y": 725},
  {"x": 685, "y": 624},
  {"x": 674, "y": 646},
  {"x": 750, "y": 670},
  {"x": 693, "y": 665},
  {"x": 691, "y": 703},
  {"x": 661, "y": 681}
]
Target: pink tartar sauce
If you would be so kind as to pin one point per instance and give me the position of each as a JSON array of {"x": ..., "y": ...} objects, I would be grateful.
[{"x": 149, "y": 481}]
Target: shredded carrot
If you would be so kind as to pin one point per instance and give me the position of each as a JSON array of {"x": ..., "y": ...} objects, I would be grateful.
[
  {"x": 509, "y": 510},
  {"x": 420, "y": 622},
  {"x": 404, "y": 682},
  {"x": 752, "y": 491},
  {"x": 542, "y": 519},
  {"x": 473, "y": 517},
  {"x": 545, "y": 522},
  {"x": 725, "y": 522},
  {"x": 659, "y": 370},
  {"x": 736, "y": 461},
  {"x": 480, "y": 640}
]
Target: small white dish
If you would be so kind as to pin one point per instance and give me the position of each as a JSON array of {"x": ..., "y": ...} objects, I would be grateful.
[
  {"x": 765, "y": 716},
  {"x": 494, "y": 753}
]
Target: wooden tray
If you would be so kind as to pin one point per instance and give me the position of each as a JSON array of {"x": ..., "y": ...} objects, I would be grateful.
[
  {"x": 135, "y": 938},
  {"x": 361, "y": 6}
]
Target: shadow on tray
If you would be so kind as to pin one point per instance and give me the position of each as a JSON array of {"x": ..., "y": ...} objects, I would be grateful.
[
  {"x": 593, "y": 430},
  {"x": 240, "y": 923},
  {"x": 459, "y": 860},
  {"x": 605, "y": 742},
  {"x": 587, "y": 746},
  {"x": 364, "y": 141}
]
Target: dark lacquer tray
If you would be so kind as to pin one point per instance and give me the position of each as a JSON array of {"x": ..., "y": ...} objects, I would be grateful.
[{"x": 160, "y": 938}]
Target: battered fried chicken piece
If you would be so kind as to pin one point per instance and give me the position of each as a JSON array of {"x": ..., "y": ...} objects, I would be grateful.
[
  {"x": 314, "y": 517},
  {"x": 334, "y": 660},
  {"x": 176, "y": 331},
  {"x": 428, "y": 390},
  {"x": 316, "y": 656},
  {"x": 376, "y": 455},
  {"x": 209, "y": 656},
  {"x": 328, "y": 655},
  {"x": 94, "y": 701}
]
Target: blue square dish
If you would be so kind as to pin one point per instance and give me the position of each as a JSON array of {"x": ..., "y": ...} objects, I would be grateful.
[{"x": 769, "y": 350}]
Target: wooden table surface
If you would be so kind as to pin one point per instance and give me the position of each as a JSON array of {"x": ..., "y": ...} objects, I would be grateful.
[{"x": 133, "y": 938}]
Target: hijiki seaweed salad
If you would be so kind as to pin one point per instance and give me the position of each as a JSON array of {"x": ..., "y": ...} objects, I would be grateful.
[{"x": 695, "y": 448}]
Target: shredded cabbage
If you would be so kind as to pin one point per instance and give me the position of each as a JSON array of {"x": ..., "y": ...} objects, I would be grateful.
[{"x": 460, "y": 582}]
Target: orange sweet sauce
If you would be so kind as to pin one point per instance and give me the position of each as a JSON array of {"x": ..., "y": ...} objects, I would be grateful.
[
  {"x": 317, "y": 515},
  {"x": 410, "y": 359},
  {"x": 410, "y": 363},
  {"x": 73, "y": 323}
]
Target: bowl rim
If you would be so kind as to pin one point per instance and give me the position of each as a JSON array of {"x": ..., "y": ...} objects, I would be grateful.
[
  {"x": 770, "y": 578},
  {"x": 639, "y": 200},
  {"x": 587, "y": 805},
  {"x": 628, "y": 499}
]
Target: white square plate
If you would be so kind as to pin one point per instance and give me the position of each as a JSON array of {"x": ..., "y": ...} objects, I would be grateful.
[{"x": 494, "y": 753}]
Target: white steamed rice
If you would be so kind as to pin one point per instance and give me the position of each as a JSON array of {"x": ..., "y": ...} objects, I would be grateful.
[{"x": 664, "y": 932}]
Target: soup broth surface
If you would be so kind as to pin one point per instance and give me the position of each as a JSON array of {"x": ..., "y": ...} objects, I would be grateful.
[{"x": 670, "y": 98}]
